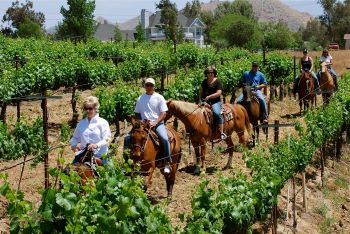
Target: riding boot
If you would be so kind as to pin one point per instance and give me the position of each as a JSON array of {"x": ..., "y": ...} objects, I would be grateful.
[{"x": 335, "y": 83}]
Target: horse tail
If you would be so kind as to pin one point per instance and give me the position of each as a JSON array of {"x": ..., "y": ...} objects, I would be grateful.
[{"x": 247, "y": 122}]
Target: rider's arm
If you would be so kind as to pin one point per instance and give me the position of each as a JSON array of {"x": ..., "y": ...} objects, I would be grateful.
[
  {"x": 161, "y": 117},
  {"x": 215, "y": 95},
  {"x": 75, "y": 140},
  {"x": 200, "y": 94},
  {"x": 262, "y": 82},
  {"x": 106, "y": 134},
  {"x": 312, "y": 64}
]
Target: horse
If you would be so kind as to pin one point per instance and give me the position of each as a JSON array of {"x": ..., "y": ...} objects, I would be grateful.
[
  {"x": 306, "y": 91},
  {"x": 252, "y": 105},
  {"x": 195, "y": 119},
  {"x": 146, "y": 151},
  {"x": 85, "y": 165},
  {"x": 327, "y": 84}
]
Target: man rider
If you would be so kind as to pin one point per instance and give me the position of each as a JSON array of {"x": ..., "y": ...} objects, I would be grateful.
[{"x": 255, "y": 79}]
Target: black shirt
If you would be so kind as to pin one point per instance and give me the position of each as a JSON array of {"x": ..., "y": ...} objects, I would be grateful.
[
  {"x": 211, "y": 89},
  {"x": 306, "y": 64}
]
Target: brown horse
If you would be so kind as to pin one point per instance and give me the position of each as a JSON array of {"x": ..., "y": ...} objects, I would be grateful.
[
  {"x": 146, "y": 151},
  {"x": 326, "y": 83},
  {"x": 85, "y": 167},
  {"x": 306, "y": 91},
  {"x": 252, "y": 105},
  {"x": 196, "y": 123}
]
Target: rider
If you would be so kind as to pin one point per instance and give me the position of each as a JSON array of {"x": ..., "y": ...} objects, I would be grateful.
[
  {"x": 151, "y": 106},
  {"x": 307, "y": 65},
  {"x": 257, "y": 80},
  {"x": 210, "y": 92},
  {"x": 327, "y": 58},
  {"x": 92, "y": 131}
]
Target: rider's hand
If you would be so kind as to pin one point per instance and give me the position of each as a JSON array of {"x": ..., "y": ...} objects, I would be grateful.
[
  {"x": 91, "y": 147},
  {"x": 206, "y": 98},
  {"x": 152, "y": 124},
  {"x": 76, "y": 149}
]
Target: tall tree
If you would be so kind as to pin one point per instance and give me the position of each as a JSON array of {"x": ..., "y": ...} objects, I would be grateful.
[
  {"x": 18, "y": 14},
  {"x": 30, "y": 29},
  {"x": 78, "y": 19},
  {"x": 209, "y": 19},
  {"x": 118, "y": 35},
  {"x": 169, "y": 19},
  {"x": 192, "y": 9},
  {"x": 238, "y": 7},
  {"x": 140, "y": 32},
  {"x": 278, "y": 36},
  {"x": 237, "y": 30}
]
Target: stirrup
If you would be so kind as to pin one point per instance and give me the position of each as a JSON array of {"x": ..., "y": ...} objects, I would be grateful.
[{"x": 223, "y": 136}]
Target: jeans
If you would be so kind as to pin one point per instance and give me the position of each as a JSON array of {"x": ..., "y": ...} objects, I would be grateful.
[
  {"x": 261, "y": 100},
  {"x": 216, "y": 107},
  {"x": 317, "y": 84},
  {"x": 163, "y": 138}
]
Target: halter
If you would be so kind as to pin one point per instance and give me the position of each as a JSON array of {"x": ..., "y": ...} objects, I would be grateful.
[{"x": 144, "y": 144}]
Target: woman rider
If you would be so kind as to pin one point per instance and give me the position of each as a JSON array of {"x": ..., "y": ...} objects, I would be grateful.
[
  {"x": 92, "y": 132},
  {"x": 210, "y": 92}
]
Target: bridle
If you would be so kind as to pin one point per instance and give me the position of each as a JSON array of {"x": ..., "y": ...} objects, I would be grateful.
[{"x": 142, "y": 147}]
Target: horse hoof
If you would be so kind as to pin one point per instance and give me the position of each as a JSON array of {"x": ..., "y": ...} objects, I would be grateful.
[{"x": 197, "y": 171}]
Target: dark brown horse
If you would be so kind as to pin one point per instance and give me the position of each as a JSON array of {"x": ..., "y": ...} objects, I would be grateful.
[
  {"x": 252, "y": 105},
  {"x": 147, "y": 152},
  {"x": 85, "y": 167},
  {"x": 326, "y": 83},
  {"x": 196, "y": 123},
  {"x": 306, "y": 91}
]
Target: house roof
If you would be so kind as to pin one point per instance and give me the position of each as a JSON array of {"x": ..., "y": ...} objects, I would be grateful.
[
  {"x": 154, "y": 20},
  {"x": 347, "y": 36},
  {"x": 104, "y": 32}
]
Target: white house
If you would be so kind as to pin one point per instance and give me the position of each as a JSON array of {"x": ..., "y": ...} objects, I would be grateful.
[
  {"x": 347, "y": 41},
  {"x": 192, "y": 28}
]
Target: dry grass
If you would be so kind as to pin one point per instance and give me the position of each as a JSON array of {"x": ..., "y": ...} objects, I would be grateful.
[{"x": 341, "y": 59}]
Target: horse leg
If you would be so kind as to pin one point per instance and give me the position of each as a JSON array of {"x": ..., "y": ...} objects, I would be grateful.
[
  {"x": 148, "y": 179},
  {"x": 170, "y": 181},
  {"x": 230, "y": 144},
  {"x": 301, "y": 106},
  {"x": 196, "y": 150},
  {"x": 203, "y": 152}
]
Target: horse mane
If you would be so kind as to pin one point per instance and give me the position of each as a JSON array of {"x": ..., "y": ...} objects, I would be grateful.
[{"x": 184, "y": 107}]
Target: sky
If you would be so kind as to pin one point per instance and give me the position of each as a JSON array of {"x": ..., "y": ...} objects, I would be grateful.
[{"x": 123, "y": 10}]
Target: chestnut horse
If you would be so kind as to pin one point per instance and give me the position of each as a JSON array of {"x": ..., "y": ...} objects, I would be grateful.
[
  {"x": 326, "y": 83},
  {"x": 146, "y": 152},
  {"x": 252, "y": 105},
  {"x": 306, "y": 91},
  {"x": 195, "y": 121}
]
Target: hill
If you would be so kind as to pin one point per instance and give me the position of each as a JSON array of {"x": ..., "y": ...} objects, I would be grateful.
[{"x": 271, "y": 11}]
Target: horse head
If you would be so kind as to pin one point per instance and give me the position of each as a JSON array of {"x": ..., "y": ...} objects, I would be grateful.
[
  {"x": 138, "y": 138},
  {"x": 247, "y": 93},
  {"x": 169, "y": 113}
]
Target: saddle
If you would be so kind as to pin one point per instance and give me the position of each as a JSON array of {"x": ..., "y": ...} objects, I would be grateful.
[
  {"x": 225, "y": 112},
  {"x": 154, "y": 137},
  {"x": 87, "y": 158}
]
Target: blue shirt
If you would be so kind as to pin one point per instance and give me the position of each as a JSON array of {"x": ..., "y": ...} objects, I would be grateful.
[{"x": 253, "y": 79}]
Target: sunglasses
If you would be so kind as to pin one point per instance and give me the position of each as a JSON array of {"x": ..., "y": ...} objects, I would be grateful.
[
  {"x": 210, "y": 72},
  {"x": 255, "y": 66},
  {"x": 89, "y": 108},
  {"x": 149, "y": 85}
]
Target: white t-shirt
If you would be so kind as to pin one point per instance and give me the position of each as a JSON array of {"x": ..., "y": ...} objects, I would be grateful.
[
  {"x": 150, "y": 106},
  {"x": 327, "y": 59},
  {"x": 96, "y": 131}
]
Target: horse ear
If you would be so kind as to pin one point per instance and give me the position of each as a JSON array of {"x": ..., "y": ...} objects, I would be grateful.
[
  {"x": 133, "y": 121},
  {"x": 168, "y": 102}
]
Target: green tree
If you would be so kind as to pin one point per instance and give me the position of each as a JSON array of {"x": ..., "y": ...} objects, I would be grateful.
[
  {"x": 18, "y": 14},
  {"x": 192, "y": 9},
  {"x": 169, "y": 19},
  {"x": 209, "y": 19},
  {"x": 278, "y": 36},
  {"x": 238, "y": 7},
  {"x": 237, "y": 30},
  {"x": 140, "y": 32},
  {"x": 314, "y": 34},
  {"x": 30, "y": 29},
  {"x": 78, "y": 19},
  {"x": 118, "y": 35}
]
